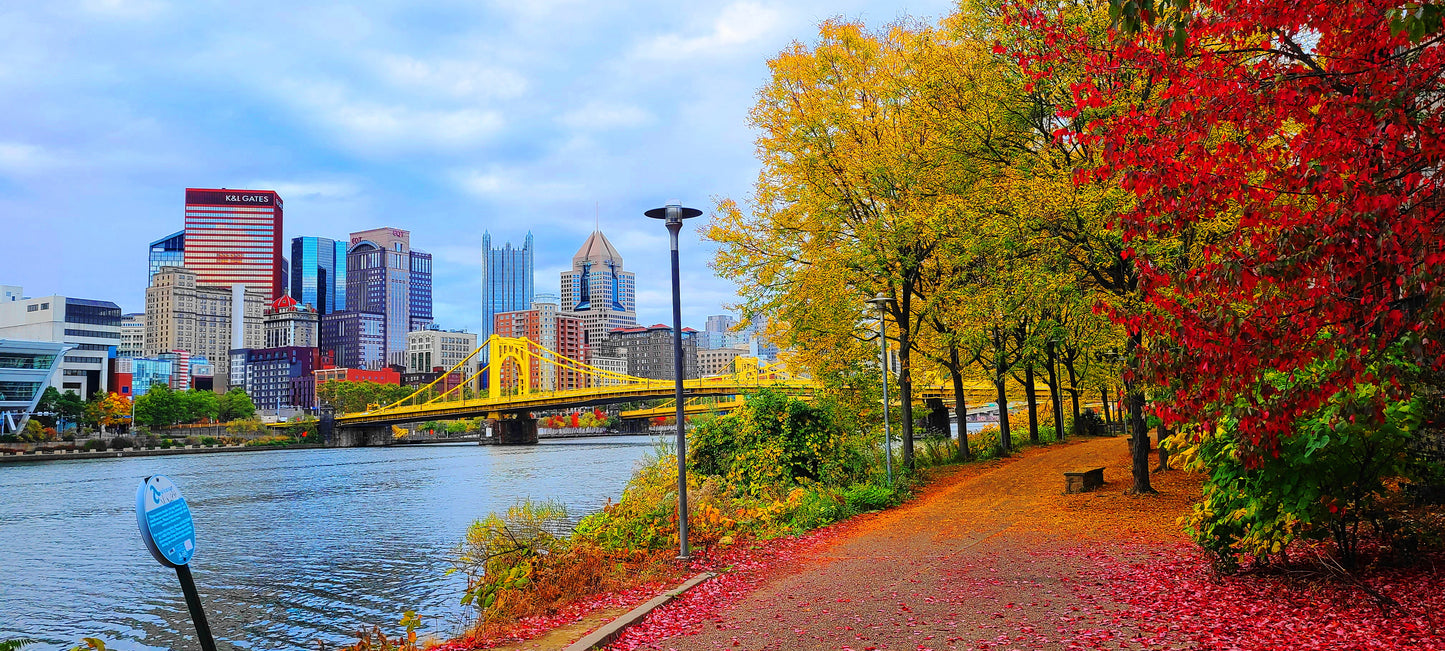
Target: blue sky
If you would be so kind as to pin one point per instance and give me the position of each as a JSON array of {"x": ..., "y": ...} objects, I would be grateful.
[{"x": 443, "y": 118}]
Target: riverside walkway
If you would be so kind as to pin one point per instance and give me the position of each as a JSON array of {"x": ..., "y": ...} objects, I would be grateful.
[{"x": 990, "y": 554}]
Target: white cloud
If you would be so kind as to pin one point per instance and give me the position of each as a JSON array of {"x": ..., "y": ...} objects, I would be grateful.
[
  {"x": 458, "y": 255},
  {"x": 123, "y": 8},
  {"x": 740, "y": 23},
  {"x": 495, "y": 182},
  {"x": 394, "y": 126},
  {"x": 452, "y": 77},
  {"x": 600, "y": 116},
  {"x": 291, "y": 190},
  {"x": 20, "y": 158}
]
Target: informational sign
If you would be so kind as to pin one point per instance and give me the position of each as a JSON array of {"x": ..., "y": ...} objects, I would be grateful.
[{"x": 165, "y": 521}]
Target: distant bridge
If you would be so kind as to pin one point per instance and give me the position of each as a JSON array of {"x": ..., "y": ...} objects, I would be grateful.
[{"x": 509, "y": 397}]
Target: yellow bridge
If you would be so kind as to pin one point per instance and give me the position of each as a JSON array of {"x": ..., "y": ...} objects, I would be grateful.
[{"x": 521, "y": 376}]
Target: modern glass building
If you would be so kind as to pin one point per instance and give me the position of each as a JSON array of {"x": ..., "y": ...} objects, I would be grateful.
[
  {"x": 25, "y": 370},
  {"x": 385, "y": 275},
  {"x": 506, "y": 280},
  {"x": 169, "y": 251},
  {"x": 147, "y": 372},
  {"x": 233, "y": 237},
  {"x": 318, "y": 273},
  {"x": 355, "y": 339}
]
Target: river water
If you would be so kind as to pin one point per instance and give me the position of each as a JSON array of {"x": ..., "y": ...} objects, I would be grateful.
[{"x": 293, "y": 546}]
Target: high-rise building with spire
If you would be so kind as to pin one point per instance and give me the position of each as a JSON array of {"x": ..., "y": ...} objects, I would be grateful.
[
  {"x": 598, "y": 291},
  {"x": 506, "y": 280}
]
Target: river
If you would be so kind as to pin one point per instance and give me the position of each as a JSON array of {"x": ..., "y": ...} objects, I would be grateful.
[{"x": 293, "y": 546}]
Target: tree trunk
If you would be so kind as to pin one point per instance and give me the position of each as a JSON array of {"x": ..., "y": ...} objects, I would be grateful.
[
  {"x": 1134, "y": 396},
  {"x": 1005, "y": 440},
  {"x": 1056, "y": 394},
  {"x": 1074, "y": 389},
  {"x": 1163, "y": 453},
  {"x": 1104, "y": 404},
  {"x": 960, "y": 405},
  {"x": 1032, "y": 397},
  {"x": 905, "y": 389}
]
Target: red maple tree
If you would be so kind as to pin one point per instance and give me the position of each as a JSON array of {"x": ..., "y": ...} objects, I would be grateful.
[{"x": 1294, "y": 147}]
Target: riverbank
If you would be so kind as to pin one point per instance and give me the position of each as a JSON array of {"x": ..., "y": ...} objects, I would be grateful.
[
  {"x": 64, "y": 455},
  {"x": 996, "y": 556}
]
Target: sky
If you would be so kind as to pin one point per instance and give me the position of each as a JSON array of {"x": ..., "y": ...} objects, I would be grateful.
[{"x": 443, "y": 118}]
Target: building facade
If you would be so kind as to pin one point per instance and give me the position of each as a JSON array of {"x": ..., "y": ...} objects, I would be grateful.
[
  {"x": 355, "y": 340},
  {"x": 132, "y": 335},
  {"x": 433, "y": 348},
  {"x": 169, "y": 251},
  {"x": 26, "y": 369},
  {"x": 598, "y": 290},
  {"x": 233, "y": 237},
  {"x": 183, "y": 315},
  {"x": 288, "y": 322},
  {"x": 146, "y": 372},
  {"x": 92, "y": 328},
  {"x": 385, "y": 276},
  {"x": 318, "y": 273},
  {"x": 552, "y": 332},
  {"x": 649, "y": 353},
  {"x": 716, "y": 361},
  {"x": 270, "y": 373},
  {"x": 506, "y": 279}
]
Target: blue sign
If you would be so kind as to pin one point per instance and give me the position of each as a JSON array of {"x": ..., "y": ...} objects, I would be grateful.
[{"x": 165, "y": 521}]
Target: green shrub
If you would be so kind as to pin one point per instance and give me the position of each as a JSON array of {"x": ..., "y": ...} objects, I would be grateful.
[
  {"x": 818, "y": 507},
  {"x": 868, "y": 497},
  {"x": 1334, "y": 479},
  {"x": 772, "y": 442},
  {"x": 121, "y": 442}
]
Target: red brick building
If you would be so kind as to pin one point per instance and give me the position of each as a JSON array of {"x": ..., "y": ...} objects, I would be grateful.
[{"x": 542, "y": 325}]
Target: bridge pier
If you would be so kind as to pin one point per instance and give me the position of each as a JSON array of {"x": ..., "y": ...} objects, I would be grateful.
[
  {"x": 360, "y": 436},
  {"x": 517, "y": 430}
]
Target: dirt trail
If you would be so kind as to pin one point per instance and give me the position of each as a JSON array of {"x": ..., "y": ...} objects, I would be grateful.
[{"x": 987, "y": 558}]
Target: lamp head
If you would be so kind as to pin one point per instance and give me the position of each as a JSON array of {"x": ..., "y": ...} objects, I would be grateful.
[
  {"x": 673, "y": 212},
  {"x": 881, "y": 301}
]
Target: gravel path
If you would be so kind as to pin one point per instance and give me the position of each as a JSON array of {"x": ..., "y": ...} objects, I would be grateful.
[{"x": 991, "y": 556}]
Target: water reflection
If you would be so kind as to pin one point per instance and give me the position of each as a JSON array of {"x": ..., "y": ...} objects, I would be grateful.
[{"x": 293, "y": 546}]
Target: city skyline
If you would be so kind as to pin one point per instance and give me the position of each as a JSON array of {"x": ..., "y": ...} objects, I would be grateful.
[{"x": 446, "y": 120}]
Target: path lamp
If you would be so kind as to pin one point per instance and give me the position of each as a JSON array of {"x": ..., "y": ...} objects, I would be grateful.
[
  {"x": 674, "y": 213},
  {"x": 882, "y": 301}
]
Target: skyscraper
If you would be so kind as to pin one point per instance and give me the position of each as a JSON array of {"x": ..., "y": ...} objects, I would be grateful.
[
  {"x": 385, "y": 276},
  {"x": 506, "y": 280},
  {"x": 598, "y": 291},
  {"x": 233, "y": 237},
  {"x": 169, "y": 251},
  {"x": 318, "y": 273}
]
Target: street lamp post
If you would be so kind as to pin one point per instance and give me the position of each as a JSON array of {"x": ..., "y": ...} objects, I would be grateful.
[
  {"x": 881, "y": 302},
  {"x": 674, "y": 213}
]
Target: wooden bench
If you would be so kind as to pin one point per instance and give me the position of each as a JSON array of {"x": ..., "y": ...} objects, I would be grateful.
[{"x": 1083, "y": 480}]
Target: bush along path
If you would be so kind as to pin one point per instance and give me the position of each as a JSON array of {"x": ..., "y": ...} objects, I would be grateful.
[
  {"x": 995, "y": 557},
  {"x": 774, "y": 469}
]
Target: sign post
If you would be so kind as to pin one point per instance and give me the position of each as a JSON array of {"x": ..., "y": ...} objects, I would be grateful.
[{"x": 166, "y": 528}]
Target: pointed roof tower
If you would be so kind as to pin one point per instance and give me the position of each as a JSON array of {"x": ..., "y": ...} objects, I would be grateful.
[{"x": 598, "y": 250}]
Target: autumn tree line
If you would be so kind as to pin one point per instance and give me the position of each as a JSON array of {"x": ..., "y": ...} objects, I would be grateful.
[{"x": 1229, "y": 210}]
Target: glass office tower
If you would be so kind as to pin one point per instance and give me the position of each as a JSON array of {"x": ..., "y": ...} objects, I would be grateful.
[
  {"x": 169, "y": 251},
  {"x": 318, "y": 273},
  {"x": 506, "y": 280},
  {"x": 384, "y": 275}
]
